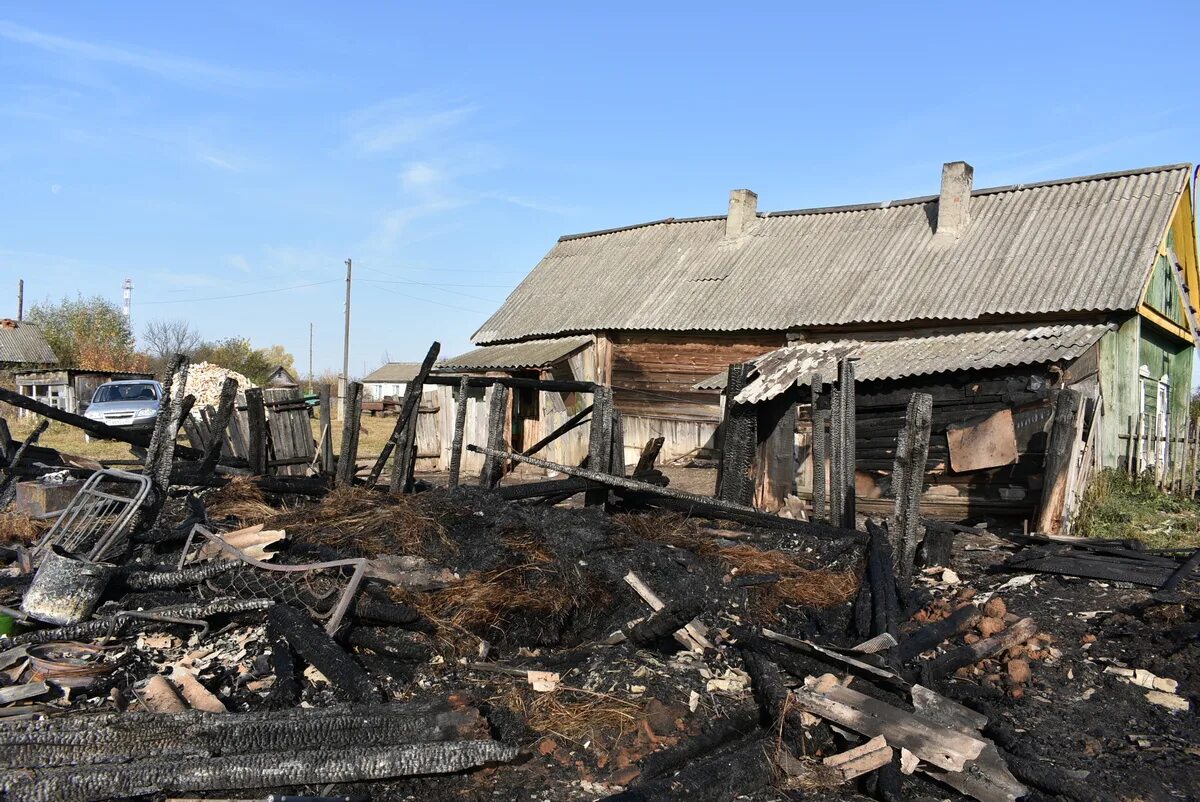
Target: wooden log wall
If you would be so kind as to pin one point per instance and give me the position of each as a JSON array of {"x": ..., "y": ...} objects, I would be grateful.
[{"x": 653, "y": 373}]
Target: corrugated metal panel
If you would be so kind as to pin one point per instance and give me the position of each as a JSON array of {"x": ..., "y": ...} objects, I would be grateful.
[
  {"x": 512, "y": 356},
  {"x": 1074, "y": 246},
  {"x": 393, "y": 372},
  {"x": 913, "y": 356},
  {"x": 23, "y": 342}
]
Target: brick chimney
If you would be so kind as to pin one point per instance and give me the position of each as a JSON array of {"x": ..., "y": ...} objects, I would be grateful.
[
  {"x": 954, "y": 204},
  {"x": 743, "y": 209}
]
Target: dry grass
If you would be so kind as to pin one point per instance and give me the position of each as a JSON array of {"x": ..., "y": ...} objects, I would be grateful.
[
  {"x": 485, "y": 602},
  {"x": 798, "y": 582},
  {"x": 360, "y": 521},
  {"x": 241, "y": 500},
  {"x": 575, "y": 715},
  {"x": 19, "y": 528},
  {"x": 668, "y": 528}
]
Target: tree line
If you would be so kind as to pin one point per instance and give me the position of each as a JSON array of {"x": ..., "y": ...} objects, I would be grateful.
[{"x": 94, "y": 333}]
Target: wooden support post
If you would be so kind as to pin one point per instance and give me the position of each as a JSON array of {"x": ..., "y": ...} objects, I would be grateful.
[
  {"x": 1060, "y": 449},
  {"x": 775, "y": 457},
  {"x": 256, "y": 421},
  {"x": 404, "y": 459},
  {"x": 160, "y": 456},
  {"x": 351, "y": 420},
  {"x": 493, "y": 466},
  {"x": 460, "y": 423},
  {"x": 1195, "y": 458},
  {"x": 616, "y": 464},
  {"x": 908, "y": 481},
  {"x": 837, "y": 470},
  {"x": 5, "y": 439},
  {"x": 408, "y": 414},
  {"x": 216, "y": 431},
  {"x": 600, "y": 442},
  {"x": 739, "y": 441},
  {"x": 848, "y": 434},
  {"x": 326, "y": 444},
  {"x": 820, "y": 419}
]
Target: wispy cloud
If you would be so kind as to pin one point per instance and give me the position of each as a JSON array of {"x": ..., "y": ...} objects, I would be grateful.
[
  {"x": 180, "y": 69},
  {"x": 402, "y": 122},
  {"x": 217, "y": 161}
]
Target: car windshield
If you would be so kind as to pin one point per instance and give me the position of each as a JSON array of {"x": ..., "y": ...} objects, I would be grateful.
[{"x": 124, "y": 392}]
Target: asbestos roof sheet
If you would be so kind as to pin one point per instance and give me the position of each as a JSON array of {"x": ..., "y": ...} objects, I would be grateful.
[
  {"x": 1075, "y": 245},
  {"x": 393, "y": 372},
  {"x": 513, "y": 356},
  {"x": 913, "y": 356},
  {"x": 23, "y": 342}
]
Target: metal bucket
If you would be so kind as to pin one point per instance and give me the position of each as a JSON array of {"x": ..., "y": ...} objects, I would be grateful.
[{"x": 65, "y": 589}]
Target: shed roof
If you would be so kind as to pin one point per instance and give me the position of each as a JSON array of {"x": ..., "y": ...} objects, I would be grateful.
[
  {"x": 514, "y": 356},
  {"x": 393, "y": 372},
  {"x": 23, "y": 342},
  {"x": 913, "y": 356},
  {"x": 1073, "y": 245}
]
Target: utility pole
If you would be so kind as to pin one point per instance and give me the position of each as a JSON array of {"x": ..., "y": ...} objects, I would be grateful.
[
  {"x": 345, "y": 348},
  {"x": 20, "y": 299},
  {"x": 310, "y": 343}
]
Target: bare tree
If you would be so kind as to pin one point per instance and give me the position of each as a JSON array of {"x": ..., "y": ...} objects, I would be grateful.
[{"x": 165, "y": 338}]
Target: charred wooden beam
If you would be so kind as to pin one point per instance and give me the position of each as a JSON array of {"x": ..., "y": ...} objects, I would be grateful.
[
  {"x": 820, "y": 424},
  {"x": 347, "y": 678},
  {"x": 1060, "y": 448},
  {"x": 351, "y": 424},
  {"x": 460, "y": 425},
  {"x": 216, "y": 434},
  {"x": 402, "y": 432},
  {"x": 929, "y": 636},
  {"x": 326, "y": 444},
  {"x": 600, "y": 442},
  {"x": 256, "y": 421},
  {"x": 739, "y": 441},
  {"x": 972, "y": 653},
  {"x": 700, "y": 505},
  {"x": 908, "y": 482},
  {"x": 493, "y": 467},
  {"x": 515, "y": 382}
]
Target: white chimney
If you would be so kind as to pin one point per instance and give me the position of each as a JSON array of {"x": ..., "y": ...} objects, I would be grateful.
[
  {"x": 743, "y": 209},
  {"x": 954, "y": 204}
]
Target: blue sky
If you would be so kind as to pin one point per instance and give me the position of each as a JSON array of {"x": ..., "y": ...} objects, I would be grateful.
[{"x": 217, "y": 149}]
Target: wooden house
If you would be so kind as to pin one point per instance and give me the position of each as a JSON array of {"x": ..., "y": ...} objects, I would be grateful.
[
  {"x": 281, "y": 378},
  {"x": 1094, "y": 279},
  {"x": 22, "y": 345}
]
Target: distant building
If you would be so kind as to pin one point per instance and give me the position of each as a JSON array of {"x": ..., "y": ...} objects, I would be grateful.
[
  {"x": 389, "y": 380},
  {"x": 23, "y": 345},
  {"x": 281, "y": 379}
]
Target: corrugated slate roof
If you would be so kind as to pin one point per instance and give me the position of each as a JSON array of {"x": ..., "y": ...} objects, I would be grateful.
[
  {"x": 513, "y": 356},
  {"x": 913, "y": 356},
  {"x": 1076, "y": 245},
  {"x": 393, "y": 372},
  {"x": 24, "y": 343}
]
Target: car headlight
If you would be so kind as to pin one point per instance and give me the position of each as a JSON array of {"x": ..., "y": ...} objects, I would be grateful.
[
  {"x": 145, "y": 413},
  {"x": 92, "y": 415}
]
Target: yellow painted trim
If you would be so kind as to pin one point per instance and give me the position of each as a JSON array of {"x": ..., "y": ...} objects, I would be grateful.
[
  {"x": 1164, "y": 322},
  {"x": 1186, "y": 251}
]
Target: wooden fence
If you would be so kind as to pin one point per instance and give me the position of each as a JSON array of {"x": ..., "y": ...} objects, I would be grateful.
[{"x": 1171, "y": 455}]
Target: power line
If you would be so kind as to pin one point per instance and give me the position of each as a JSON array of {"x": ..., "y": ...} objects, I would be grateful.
[{"x": 240, "y": 294}]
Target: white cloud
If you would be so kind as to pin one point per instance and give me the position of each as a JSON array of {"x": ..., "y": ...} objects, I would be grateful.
[
  {"x": 217, "y": 162},
  {"x": 239, "y": 263},
  {"x": 55, "y": 188},
  {"x": 180, "y": 69},
  {"x": 420, "y": 175},
  {"x": 394, "y": 124}
]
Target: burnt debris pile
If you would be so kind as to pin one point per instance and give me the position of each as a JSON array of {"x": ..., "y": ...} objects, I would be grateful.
[{"x": 213, "y": 622}]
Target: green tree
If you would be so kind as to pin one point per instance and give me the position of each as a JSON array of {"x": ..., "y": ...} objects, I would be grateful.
[
  {"x": 88, "y": 333},
  {"x": 236, "y": 353}
]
